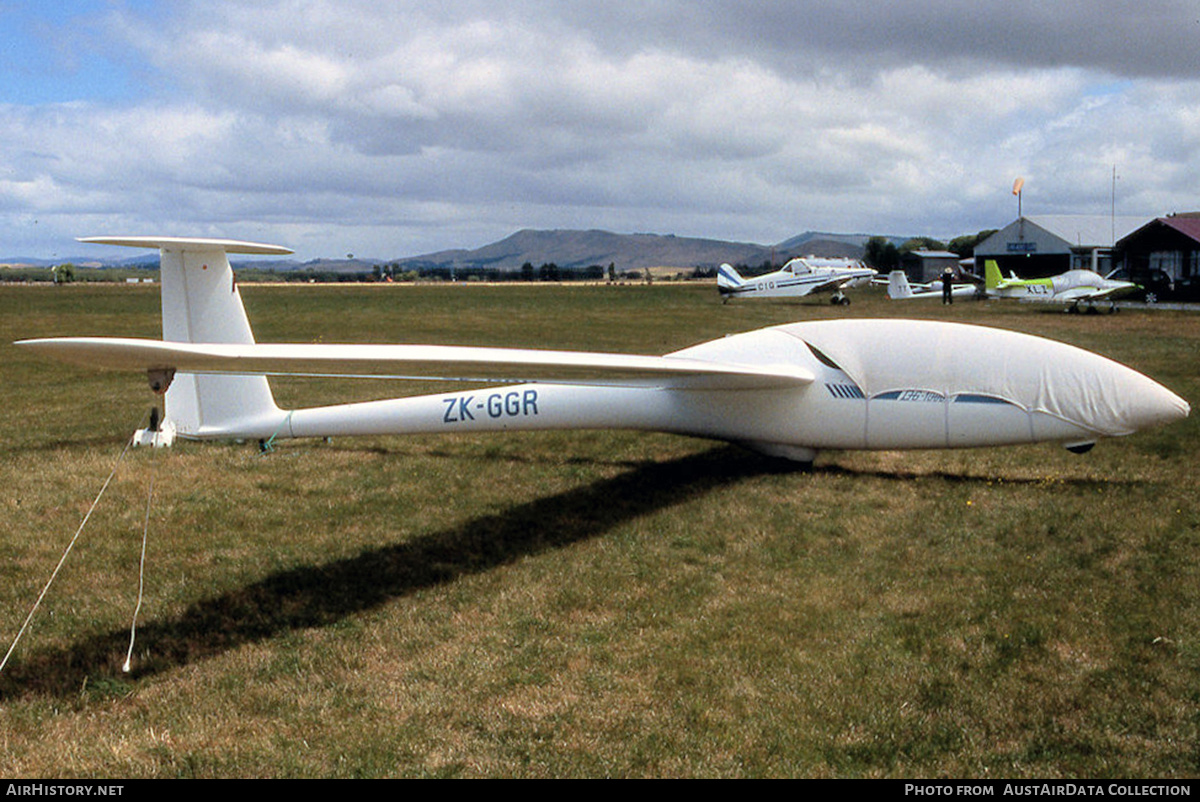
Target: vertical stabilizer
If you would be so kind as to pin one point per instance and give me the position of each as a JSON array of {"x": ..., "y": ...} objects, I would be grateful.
[
  {"x": 991, "y": 275},
  {"x": 201, "y": 304},
  {"x": 898, "y": 286},
  {"x": 728, "y": 279}
]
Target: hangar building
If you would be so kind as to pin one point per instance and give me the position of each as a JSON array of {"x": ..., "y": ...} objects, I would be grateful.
[
  {"x": 1163, "y": 256},
  {"x": 1045, "y": 245},
  {"x": 924, "y": 266}
]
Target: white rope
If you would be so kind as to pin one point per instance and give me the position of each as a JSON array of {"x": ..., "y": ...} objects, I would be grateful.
[
  {"x": 141, "y": 577},
  {"x": 63, "y": 559}
]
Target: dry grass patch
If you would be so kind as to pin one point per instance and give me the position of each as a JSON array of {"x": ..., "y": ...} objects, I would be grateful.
[{"x": 589, "y": 603}]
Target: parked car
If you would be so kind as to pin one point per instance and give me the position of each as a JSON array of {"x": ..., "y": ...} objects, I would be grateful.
[
  {"x": 1158, "y": 286},
  {"x": 1161, "y": 287}
]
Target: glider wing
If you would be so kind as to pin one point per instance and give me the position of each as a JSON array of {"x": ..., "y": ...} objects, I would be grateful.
[{"x": 417, "y": 362}]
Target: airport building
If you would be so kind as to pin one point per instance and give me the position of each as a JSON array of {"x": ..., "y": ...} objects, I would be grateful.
[
  {"x": 1045, "y": 245},
  {"x": 926, "y": 266},
  {"x": 1163, "y": 256}
]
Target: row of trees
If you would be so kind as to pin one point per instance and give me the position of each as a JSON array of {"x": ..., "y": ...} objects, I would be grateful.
[
  {"x": 884, "y": 255},
  {"x": 547, "y": 271},
  {"x": 550, "y": 272},
  {"x": 879, "y": 252},
  {"x": 68, "y": 273}
]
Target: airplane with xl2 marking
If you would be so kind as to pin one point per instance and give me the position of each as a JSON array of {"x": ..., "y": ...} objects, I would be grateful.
[{"x": 1074, "y": 287}]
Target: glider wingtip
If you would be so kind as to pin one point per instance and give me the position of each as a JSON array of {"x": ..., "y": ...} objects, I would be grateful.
[
  {"x": 31, "y": 342},
  {"x": 190, "y": 243}
]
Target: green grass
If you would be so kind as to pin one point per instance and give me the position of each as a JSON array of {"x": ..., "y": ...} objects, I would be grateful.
[{"x": 587, "y": 603}]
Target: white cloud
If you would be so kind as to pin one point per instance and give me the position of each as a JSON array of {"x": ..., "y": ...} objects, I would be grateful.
[{"x": 392, "y": 129}]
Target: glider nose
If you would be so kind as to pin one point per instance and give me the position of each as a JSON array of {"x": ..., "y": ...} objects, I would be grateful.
[
  {"x": 1115, "y": 400},
  {"x": 1146, "y": 403},
  {"x": 1157, "y": 406}
]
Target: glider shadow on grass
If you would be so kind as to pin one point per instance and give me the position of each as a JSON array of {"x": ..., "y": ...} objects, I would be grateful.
[{"x": 319, "y": 595}]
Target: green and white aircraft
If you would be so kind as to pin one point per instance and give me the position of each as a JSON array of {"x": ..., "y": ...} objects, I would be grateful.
[{"x": 1074, "y": 287}]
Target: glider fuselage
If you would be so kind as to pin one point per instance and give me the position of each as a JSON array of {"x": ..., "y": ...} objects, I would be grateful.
[
  {"x": 879, "y": 384},
  {"x": 787, "y": 390}
]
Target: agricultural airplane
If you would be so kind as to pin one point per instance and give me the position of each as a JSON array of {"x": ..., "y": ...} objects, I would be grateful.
[
  {"x": 797, "y": 278},
  {"x": 900, "y": 290},
  {"x": 1074, "y": 287},
  {"x": 786, "y": 391}
]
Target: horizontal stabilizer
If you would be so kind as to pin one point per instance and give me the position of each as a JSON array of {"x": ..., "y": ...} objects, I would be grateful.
[
  {"x": 191, "y": 244},
  {"x": 416, "y": 362}
]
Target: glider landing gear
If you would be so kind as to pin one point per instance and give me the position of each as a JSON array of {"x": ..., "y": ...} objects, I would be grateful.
[
  {"x": 796, "y": 458},
  {"x": 159, "y": 433}
]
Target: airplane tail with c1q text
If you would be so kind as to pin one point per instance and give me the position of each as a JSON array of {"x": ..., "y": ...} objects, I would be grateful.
[
  {"x": 728, "y": 279},
  {"x": 201, "y": 304}
]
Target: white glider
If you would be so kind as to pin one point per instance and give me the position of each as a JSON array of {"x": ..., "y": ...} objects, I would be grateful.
[
  {"x": 899, "y": 288},
  {"x": 786, "y": 391},
  {"x": 797, "y": 278}
]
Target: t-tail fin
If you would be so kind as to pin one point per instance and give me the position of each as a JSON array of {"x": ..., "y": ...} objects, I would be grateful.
[
  {"x": 991, "y": 275},
  {"x": 201, "y": 304},
  {"x": 898, "y": 286}
]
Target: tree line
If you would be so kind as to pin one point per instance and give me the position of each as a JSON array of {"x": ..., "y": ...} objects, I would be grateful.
[
  {"x": 885, "y": 256},
  {"x": 880, "y": 253}
]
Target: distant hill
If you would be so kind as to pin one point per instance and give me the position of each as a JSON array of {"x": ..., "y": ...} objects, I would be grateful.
[
  {"x": 569, "y": 249},
  {"x": 576, "y": 249},
  {"x": 810, "y": 240},
  {"x": 27, "y": 261}
]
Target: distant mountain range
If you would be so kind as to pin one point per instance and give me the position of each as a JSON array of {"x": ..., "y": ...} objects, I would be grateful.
[
  {"x": 579, "y": 249},
  {"x": 569, "y": 249}
]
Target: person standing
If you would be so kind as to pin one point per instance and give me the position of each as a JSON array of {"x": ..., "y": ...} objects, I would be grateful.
[{"x": 948, "y": 285}]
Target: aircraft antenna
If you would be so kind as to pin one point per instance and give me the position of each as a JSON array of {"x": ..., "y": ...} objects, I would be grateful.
[{"x": 1112, "y": 212}]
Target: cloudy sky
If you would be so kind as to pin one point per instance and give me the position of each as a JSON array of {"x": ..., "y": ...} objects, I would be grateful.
[{"x": 389, "y": 129}]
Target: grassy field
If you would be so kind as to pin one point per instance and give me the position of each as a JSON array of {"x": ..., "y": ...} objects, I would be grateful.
[{"x": 587, "y": 603}]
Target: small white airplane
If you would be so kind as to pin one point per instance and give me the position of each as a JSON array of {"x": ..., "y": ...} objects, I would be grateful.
[
  {"x": 797, "y": 278},
  {"x": 786, "y": 391},
  {"x": 899, "y": 288},
  {"x": 1074, "y": 287},
  {"x": 855, "y": 266}
]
